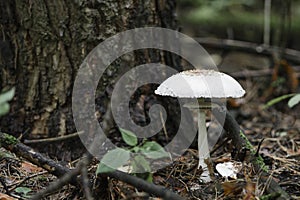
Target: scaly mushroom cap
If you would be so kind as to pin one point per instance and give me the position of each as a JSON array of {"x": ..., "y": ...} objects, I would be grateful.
[{"x": 200, "y": 83}]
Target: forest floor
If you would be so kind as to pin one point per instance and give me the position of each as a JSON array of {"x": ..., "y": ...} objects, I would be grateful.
[{"x": 278, "y": 125}]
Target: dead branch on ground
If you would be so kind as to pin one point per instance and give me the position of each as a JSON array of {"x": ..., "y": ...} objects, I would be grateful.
[{"x": 71, "y": 176}]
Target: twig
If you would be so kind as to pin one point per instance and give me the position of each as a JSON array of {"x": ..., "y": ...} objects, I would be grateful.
[
  {"x": 159, "y": 191},
  {"x": 257, "y": 73},
  {"x": 58, "y": 184},
  {"x": 86, "y": 183},
  {"x": 268, "y": 182},
  {"x": 10, "y": 143},
  {"x": 15, "y": 185},
  {"x": 289, "y": 54},
  {"x": 56, "y": 139},
  {"x": 2, "y": 181}
]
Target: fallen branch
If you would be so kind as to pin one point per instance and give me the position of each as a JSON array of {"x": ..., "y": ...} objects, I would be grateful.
[
  {"x": 64, "y": 180},
  {"x": 85, "y": 161},
  {"x": 289, "y": 54},
  {"x": 71, "y": 176},
  {"x": 257, "y": 73},
  {"x": 239, "y": 140},
  {"x": 13, "y": 145},
  {"x": 55, "y": 139},
  {"x": 157, "y": 190}
]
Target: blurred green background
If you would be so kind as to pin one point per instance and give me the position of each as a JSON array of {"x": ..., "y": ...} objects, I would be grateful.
[{"x": 242, "y": 20}]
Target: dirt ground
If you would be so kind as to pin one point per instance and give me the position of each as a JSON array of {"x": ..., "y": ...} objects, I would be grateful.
[{"x": 278, "y": 125}]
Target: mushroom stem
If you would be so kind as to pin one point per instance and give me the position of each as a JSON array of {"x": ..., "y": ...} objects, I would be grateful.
[
  {"x": 203, "y": 150},
  {"x": 202, "y": 140}
]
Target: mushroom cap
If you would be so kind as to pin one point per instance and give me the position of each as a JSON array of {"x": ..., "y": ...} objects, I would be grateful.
[{"x": 200, "y": 83}]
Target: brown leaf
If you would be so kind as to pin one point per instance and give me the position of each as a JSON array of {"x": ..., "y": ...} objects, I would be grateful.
[
  {"x": 250, "y": 191},
  {"x": 233, "y": 187},
  {"x": 6, "y": 197},
  {"x": 282, "y": 69},
  {"x": 30, "y": 168}
]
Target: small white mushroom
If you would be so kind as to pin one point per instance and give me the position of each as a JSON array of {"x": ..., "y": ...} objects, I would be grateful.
[
  {"x": 229, "y": 169},
  {"x": 201, "y": 84}
]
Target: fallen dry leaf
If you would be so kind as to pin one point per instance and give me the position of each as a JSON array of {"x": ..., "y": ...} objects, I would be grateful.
[
  {"x": 233, "y": 187},
  {"x": 30, "y": 168},
  {"x": 6, "y": 197}
]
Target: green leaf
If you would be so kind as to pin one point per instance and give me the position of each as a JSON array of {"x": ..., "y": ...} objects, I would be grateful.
[
  {"x": 112, "y": 160},
  {"x": 135, "y": 149},
  {"x": 7, "y": 96},
  {"x": 153, "y": 150},
  {"x": 23, "y": 190},
  {"x": 141, "y": 164},
  {"x": 4, "y": 108},
  {"x": 276, "y": 100},
  {"x": 102, "y": 168},
  {"x": 294, "y": 100},
  {"x": 129, "y": 137},
  {"x": 150, "y": 178}
]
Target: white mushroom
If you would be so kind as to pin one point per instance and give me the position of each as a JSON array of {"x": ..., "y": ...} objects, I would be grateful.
[
  {"x": 229, "y": 169},
  {"x": 201, "y": 84}
]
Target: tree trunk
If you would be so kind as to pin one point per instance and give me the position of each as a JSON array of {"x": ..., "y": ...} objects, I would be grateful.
[{"x": 43, "y": 44}]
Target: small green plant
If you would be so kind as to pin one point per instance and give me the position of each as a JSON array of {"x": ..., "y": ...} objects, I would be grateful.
[
  {"x": 294, "y": 100},
  {"x": 119, "y": 157},
  {"x": 23, "y": 191},
  {"x": 4, "y": 98}
]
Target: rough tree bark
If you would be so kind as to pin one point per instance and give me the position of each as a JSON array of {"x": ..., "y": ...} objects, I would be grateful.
[{"x": 43, "y": 44}]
